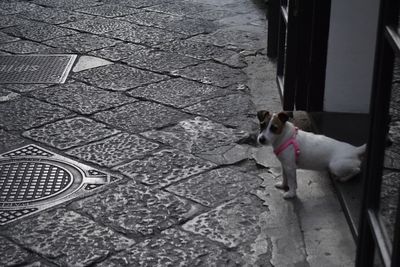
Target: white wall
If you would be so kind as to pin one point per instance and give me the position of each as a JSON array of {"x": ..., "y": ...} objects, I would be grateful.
[{"x": 350, "y": 59}]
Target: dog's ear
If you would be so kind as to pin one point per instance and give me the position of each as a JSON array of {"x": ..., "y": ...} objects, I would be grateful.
[
  {"x": 262, "y": 114},
  {"x": 283, "y": 116}
]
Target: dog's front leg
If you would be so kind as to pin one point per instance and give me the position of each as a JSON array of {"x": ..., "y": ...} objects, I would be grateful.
[
  {"x": 291, "y": 181},
  {"x": 283, "y": 185}
]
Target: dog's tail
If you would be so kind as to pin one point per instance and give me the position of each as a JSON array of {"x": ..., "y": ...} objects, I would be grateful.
[{"x": 360, "y": 151}]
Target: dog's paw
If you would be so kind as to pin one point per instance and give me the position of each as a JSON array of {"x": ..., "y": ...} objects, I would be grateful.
[
  {"x": 289, "y": 194},
  {"x": 281, "y": 186}
]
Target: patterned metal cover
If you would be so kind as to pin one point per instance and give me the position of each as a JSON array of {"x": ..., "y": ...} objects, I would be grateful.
[
  {"x": 35, "y": 68},
  {"x": 33, "y": 179}
]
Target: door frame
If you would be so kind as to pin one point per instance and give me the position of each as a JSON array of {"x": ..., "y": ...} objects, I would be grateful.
[{"x": 371, "y": 236}]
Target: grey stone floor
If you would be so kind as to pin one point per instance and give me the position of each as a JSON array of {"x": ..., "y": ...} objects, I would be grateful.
[{"x": 167, "y": 102}]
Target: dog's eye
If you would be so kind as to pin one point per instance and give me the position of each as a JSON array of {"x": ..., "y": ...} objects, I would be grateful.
[
  {"x": 263, "y": 126},
  {"x": 273, "y": 128}
]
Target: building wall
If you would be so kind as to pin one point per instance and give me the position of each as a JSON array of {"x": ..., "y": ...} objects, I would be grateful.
[{"x": 350, "y": 58}]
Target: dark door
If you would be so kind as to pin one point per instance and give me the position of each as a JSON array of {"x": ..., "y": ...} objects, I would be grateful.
[
  {"x": 379, "y": 231},
  {"x": 287, "y": 52},
  {"x": 300, "y": 29}
]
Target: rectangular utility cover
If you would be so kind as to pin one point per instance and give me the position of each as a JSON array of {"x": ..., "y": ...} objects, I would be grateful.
[{"x": 35, "y": 68}]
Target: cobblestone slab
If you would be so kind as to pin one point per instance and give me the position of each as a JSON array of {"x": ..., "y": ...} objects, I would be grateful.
[
  {"x": 114, "y": 150},
  {"x": 136, "y": 3},
  {"x": 239, "y": 224},
  {"x": 213, "y": 73},
  {"x": 5, "y": 38},
  {"x": 389, "y": 196},
  {"x": 216, "y": 187},
  {"x": 264, "y": 156},
  {"x": 37, "y": 31},
  {"x": 89, "y": 62},
  {"x": 24, "y": 87},
  {"x": 144, "y": 35},
  {"x": 7, "y": 95},
  {"x": 173, "y": 248},
  {"x": 39, "y": 264},
  {"x": 179, "y": 8},
  {"x": 118, "y": 77},
  {"x": 82, "y": 98},
  {"x": 68, "y": 238},
  {"x": 392, "y": 153},
  {"x": 178, "y": 92},
  {"x": 394, "y": 132},
  {"x": 8, "y": 7},
  {"x": 198, "y": 50},
  {"x": 24, "y": 113},
  {"x": 29, "y": 47},
  {"x": 197, "y": 135},
  {"x": 227, "y": 155},
  {"x": 165, "y": 167},
  {"x": 97, "y": 25},
  {"x": 232, "y": 38},
  {"x": 141, "y": 116},
  {"x": 159, "y": 60},
  {"x": 245, "y": 225},
  {"x": 236, "y": 60},
  {"x": 391, "y": 160},
  {"x": 81, "y": 42},
  {"x": 8, "y": 21},
  {"x": 133, "y": 209},
  {"x": 70, "y": 132},
  {"x": 192, "y": 26},
  {"x": 67, "y": 4},
  {"x": 394, "y": 109},
  {"x": 118, "y": 52},
  {"x": 232, "y": 110},
  {"x": 9, "y": 141},
  {"x": 219, "y": 3},
  {"x": 396, "y": 70},
  {"x": 151, "y": 19},
  {"x": 244, "y": 19},
  {"x": 231, "y": 223},
  {"x": 53, "y": 15},
  {"x": 243, "y": 7},
  {"x": 108, "y": 10},
  {"x": 214, "y": 15},
  {"x": 11, "y": 254}
]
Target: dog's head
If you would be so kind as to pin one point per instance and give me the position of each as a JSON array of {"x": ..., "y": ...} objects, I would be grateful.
[{"x": 271, "y": 126}]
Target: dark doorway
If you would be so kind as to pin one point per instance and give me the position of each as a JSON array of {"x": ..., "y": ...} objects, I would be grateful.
[
  {"x": 297, "y": 36},
  {"x": 379, "y": 230}
]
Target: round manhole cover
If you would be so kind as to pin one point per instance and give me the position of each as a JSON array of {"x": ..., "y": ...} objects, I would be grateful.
[
  {"x": 33, "y": 179},
  {"x": 27, "y": 181}
]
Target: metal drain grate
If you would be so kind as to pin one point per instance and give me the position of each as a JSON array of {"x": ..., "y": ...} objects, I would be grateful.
[
  {"x": 26, "y": 181},
  {"x": 35, "y": 68},
  {"x": 33, "y": 179}
]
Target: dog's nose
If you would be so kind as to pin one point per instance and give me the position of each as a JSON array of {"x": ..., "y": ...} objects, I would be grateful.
[{"x": 262, "y": 140}]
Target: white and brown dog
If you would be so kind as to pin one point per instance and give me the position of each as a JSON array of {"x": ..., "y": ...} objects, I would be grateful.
[{"x": 299, "y": 149}]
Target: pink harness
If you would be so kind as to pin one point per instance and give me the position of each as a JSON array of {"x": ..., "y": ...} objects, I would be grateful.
[{"x": 291, "y": 141}]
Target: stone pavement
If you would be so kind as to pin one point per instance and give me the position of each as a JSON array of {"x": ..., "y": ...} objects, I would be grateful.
[{"x": 164, "y": 97}]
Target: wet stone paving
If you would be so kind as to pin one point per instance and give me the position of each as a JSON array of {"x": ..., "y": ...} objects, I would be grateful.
[
  {"x": 29, "y": 47},
  {"x": 183, "y": 92},
  {"x": 170, "y": 114},
  {"x": 74, "y": 95}
]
